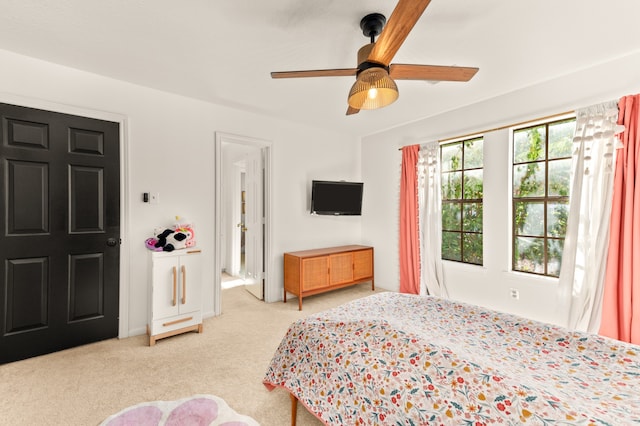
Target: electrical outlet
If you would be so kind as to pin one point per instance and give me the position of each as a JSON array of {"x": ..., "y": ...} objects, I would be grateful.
[
  {"x": 514, "y": 293},
  {"x": 154, "y": 198}
]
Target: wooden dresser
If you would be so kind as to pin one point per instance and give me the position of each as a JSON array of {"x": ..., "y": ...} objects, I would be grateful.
[{"x": 317, "y": 271}]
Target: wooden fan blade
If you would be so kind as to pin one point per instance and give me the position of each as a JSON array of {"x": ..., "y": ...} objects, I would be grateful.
[
  {"x": 431, "y": 72},
  {"x": 351, "y": 110},
  {"x": 338, "y": 72},
  {"x": 402, "y": 20}
]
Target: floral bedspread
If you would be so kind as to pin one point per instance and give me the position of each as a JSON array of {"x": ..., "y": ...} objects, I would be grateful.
[{"x": 397, "y": 359}]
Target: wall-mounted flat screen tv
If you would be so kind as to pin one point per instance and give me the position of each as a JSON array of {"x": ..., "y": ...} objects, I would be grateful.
[{"x": 336, "y": 198}]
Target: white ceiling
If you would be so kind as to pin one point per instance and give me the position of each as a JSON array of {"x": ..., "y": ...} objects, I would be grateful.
[{"x": 223, "y": 50}]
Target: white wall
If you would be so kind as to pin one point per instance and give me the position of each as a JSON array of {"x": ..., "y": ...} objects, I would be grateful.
[
  {"x": 323, "y": 157},
  {"x": 488, "y": 285},
  {"x": 170, "y": 150}
]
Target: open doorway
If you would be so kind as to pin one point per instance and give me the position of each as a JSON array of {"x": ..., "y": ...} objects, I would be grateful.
[{"x": 242, "y": 219}]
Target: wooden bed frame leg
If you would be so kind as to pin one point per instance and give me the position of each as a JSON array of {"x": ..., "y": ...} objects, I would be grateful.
[{"x": 294, "y": 409}]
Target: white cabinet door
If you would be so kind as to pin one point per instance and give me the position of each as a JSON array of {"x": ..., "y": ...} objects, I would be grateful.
[
  {"x": 165, "y": 275},
  {"x": 190, "y": 283}
]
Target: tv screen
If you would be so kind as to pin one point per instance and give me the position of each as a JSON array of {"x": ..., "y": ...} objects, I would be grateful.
[{"x": 336, "y": 198}]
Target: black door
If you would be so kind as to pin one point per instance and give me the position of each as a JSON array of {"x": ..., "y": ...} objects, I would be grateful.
[{"x": 59, "y": 231}]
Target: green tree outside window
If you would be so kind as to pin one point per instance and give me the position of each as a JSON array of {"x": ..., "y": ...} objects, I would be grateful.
[
  {"x": 541, "y": 187},
  {"x": 462, "y": 194}
]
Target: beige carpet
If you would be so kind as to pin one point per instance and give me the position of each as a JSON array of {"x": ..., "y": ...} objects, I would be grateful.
[{"x": 85, "y": 385}]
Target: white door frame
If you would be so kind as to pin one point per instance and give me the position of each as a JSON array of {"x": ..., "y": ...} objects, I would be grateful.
[{"x": 221, "y": 137}]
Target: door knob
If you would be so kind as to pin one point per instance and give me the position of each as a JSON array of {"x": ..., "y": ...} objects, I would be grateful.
[{"x": 112, "y": 242}]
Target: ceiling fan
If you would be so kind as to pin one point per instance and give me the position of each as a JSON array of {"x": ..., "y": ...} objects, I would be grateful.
[{"x": 375, "y": 86}]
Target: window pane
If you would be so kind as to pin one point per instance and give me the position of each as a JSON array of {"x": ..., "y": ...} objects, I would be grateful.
[
  {"x": 451, "y": 157},
  {"x": 472, "y": 248},
  {"x": 529, "y": 144},
  {"x": 451, "y": 216},
  {"x": 528, "y": 180},
  {"x": 462, "y": 191},
  {"x": 452, "y": 186},
  {"x": 559, "y": 177},
  {"x": 473, "y": 153},
  {"x": 554, "y": 255},
  {"x": 529, "y": 218},
  {"x": 472, "y": 217},
  {"x": 451, "y": 245},
  {"x": 541, "y": 189},
  {"x": 561, "y": 138},
  {"x": 557, "y": 216},
  {"x": 528, "y": 255},
  {"x": 472, "y": 184}
]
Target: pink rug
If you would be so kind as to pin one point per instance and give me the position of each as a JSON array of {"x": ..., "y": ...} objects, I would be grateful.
[{"x": 200, "y": 410}]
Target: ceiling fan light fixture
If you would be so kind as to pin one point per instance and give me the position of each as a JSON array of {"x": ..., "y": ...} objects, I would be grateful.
[{"x": 373, "y": 89}]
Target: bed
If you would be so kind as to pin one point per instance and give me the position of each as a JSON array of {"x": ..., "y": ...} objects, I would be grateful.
[{"x": 397, "y": 359}]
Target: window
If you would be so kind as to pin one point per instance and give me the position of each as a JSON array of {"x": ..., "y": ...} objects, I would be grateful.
[
  {"x": 541, "y": 185},
  {"x": 462, "y": 186}
]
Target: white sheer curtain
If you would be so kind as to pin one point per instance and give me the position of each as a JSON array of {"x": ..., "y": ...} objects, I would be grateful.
[
  {"x": 584, "y": 257},
  {"x": 430, "y": 212}
]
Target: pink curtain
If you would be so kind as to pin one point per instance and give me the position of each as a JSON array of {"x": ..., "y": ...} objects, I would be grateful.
[
  {"x": 621, "y": 304},
  {"x": 409, "y": 242}
]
